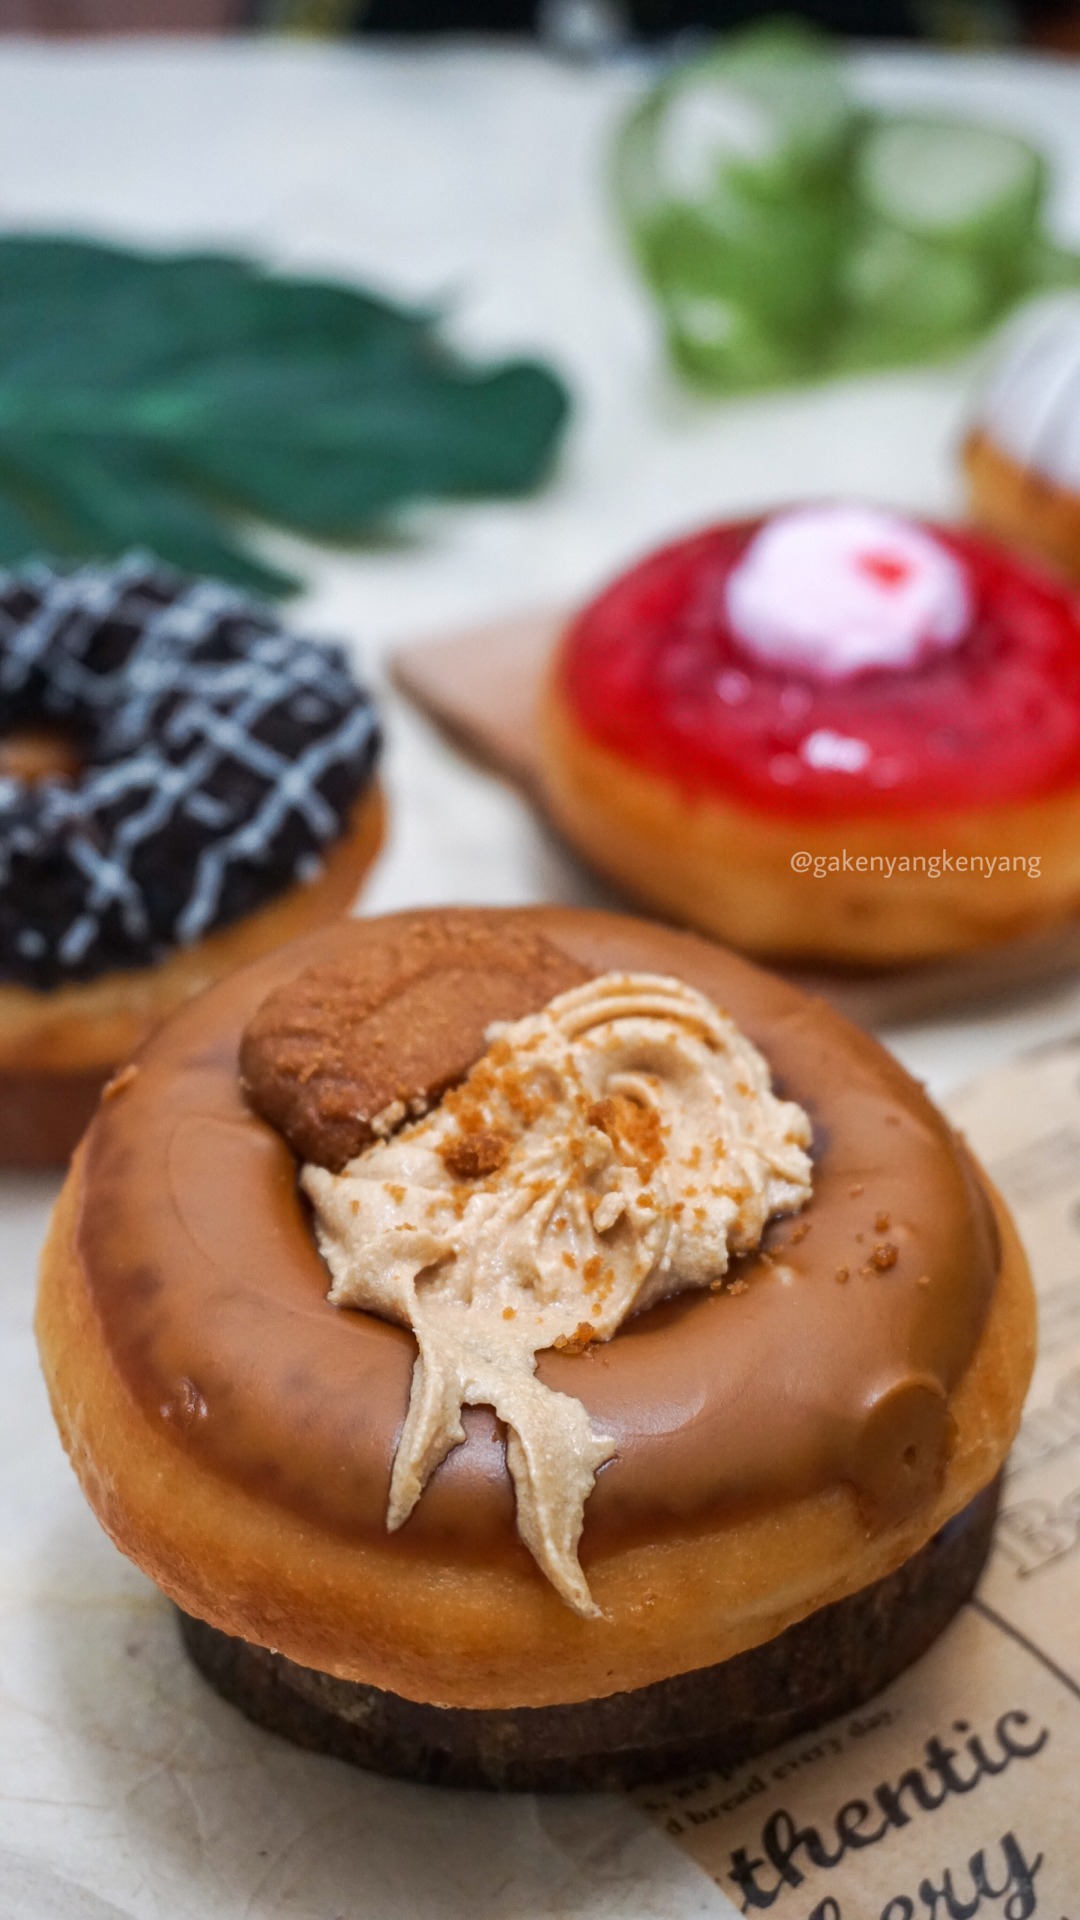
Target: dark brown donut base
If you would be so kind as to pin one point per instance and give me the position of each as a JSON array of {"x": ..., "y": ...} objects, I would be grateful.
[
  {"x": 824, "y": 1665},
  {"x": 44, "y": 1115}
]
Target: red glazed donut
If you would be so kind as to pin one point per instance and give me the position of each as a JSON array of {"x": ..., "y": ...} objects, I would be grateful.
[{"x": 832, "y": 733}]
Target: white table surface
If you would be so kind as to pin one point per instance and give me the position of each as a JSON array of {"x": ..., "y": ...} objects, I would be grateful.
[{"x": 474, "y": 175}]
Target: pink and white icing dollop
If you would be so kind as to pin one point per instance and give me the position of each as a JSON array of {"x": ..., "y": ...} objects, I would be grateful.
[{"x": 836, "y": 590}]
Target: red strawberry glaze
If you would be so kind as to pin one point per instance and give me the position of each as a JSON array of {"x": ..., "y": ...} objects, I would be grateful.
[{"x": 652, "y": 671}]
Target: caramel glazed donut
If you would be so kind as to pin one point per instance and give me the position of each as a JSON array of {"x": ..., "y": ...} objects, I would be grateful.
[
  {"x": 182, "y": 786},
  {"x": 711, "y": 1518}
]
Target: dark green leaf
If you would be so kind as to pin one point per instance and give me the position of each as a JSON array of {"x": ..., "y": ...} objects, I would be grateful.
[
  {"x": 150, "y": 399},
  {"x": 20, "y": 537},
  {"x": 95, "y": 499}
]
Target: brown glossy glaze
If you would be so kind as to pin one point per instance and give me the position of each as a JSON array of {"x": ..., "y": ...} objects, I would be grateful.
[
  {"x": 43, "y": 1115},
  {"x": 211, "y": 1293}
]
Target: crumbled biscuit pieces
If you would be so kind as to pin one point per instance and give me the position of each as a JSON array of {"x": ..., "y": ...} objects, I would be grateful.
[
  {"x": 328, "y": 1057},
  {"x": 475, "y": 1156},
  {"x": 884, "y": 1256}
]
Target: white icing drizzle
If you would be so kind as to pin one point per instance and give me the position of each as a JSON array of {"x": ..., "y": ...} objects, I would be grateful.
[
  {"x": 207, "y": 728},
  {"x": 633, "y": 1145}
]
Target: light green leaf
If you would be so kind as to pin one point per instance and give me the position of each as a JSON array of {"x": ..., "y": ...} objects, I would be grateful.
[
  {"x": 954, "y": 182},
  {"x": 789, "y": 234}
]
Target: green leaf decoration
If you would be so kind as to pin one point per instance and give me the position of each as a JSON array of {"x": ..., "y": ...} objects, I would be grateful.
[
  {"x": 159, "y": 400},
  {"x": 789, "y": 234}
]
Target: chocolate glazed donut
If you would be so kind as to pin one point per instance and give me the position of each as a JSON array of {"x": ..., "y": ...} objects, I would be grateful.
[
  {"x": 183, "y": 784},
  {"x": 781, "y": 1449}
]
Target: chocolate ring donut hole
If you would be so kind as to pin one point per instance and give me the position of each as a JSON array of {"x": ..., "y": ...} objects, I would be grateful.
[
  {"x": 32, "y": 754},
  {"x": 337, "y": 1057}
]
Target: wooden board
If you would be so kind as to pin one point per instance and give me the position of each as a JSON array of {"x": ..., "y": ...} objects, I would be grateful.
[{"x": 481, "y": 688}]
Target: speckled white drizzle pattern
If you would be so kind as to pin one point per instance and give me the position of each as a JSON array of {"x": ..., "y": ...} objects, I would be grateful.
[{"x": 207, "y": 669}]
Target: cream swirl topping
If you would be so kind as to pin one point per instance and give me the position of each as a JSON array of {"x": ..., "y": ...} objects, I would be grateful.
[{"x": 615, "y": 1148}]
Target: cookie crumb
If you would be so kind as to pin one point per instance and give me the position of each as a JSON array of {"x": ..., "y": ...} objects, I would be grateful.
[
  {"x": 473, "y": 1156},
  {"x": 384, "y": 1122},
  {"x": 119, "y": 1081},
  {"x": 576, "y": 1342}
]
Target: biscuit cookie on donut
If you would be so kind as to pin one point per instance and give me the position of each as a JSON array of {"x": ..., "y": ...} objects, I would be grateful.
[
  {"x": 183, "y": 784},
  {"x": 313, "y": 1248},
  {"x": 830, "y": 735}
]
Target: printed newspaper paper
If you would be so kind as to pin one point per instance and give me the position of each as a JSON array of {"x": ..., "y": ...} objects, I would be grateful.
[{"x": 957, "y": 1792}]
